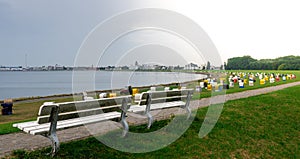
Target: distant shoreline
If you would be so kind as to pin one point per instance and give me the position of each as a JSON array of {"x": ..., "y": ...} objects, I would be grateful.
[{"x": 180, "y": 71}]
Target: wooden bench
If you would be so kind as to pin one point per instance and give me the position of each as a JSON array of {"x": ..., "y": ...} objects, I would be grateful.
[
  {"x": 85, "y": 96},
  {"x": 161, "y": 100},
  {"x": 56, "y": 116}
]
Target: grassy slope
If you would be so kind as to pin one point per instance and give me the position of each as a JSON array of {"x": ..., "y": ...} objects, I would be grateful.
[{"x": 265, "y": 126}]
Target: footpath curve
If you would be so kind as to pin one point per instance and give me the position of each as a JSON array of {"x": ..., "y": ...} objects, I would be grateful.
[{"x": 20, "y": 140}]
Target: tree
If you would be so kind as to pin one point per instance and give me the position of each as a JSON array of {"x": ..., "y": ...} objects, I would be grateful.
[
  {"x": 240, "y": 63},
  {"x": 247, "y": 62}
]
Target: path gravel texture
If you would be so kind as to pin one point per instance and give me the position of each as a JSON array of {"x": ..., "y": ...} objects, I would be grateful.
[{"x": 15, "y": 141}]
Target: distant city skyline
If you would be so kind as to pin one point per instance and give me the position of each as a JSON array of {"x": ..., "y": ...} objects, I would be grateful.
[
  {"x": 51, "y": 32},
  {"x": 133, "y": 67}
]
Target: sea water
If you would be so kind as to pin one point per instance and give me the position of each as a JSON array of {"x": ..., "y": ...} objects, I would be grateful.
[{"x": 43, "y": 83}]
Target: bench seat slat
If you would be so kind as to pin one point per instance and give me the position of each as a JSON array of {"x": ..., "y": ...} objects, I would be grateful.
[
  {"x": 137, "y": 108},
  {"x": 164, "y": 96},
  {"x": 81, "y": 105},
  {"x": 62, "y": 122},
  {"x": 170, "y": 93},
  {"x": 142, "y": 108},
  {"x": 167, "y": 105},
  {"x": 37, "y": 132},
  {"x": 25, "y": 124},
  {"x": 163, "y": 99},
  {"x": 43, "y": 128},
  {"x": 79, "y": 113}
]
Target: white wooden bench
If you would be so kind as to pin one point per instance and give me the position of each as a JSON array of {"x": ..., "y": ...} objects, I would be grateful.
[
  {"x": 161, "y": 100},
  {"x": 85, "y": 96},
  {"x": 56, "y": 116}
]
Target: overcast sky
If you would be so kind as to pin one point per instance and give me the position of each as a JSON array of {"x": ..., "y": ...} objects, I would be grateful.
[{"x": 51, "y": 32}]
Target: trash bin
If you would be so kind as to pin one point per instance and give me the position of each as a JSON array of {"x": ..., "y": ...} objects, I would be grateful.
[
  {"x": 130, "y": 90},
  {"x": 4, "y": 111},
  {"x": 7, "y": 107}
]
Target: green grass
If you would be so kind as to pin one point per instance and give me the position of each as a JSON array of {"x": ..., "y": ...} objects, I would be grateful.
[
  {"x": 265, "y": 126},
  {"x": 8, "y": 127}
]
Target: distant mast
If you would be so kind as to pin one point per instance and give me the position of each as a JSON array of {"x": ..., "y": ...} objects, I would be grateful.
[{"x": 25, "y": 61}]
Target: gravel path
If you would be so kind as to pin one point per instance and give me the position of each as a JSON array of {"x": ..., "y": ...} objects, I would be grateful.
[{"x": 16, "y": 141}]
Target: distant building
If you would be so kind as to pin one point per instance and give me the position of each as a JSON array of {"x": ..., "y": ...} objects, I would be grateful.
[
  {"x": 147, "y": 67},
  {"x": 50, "y": 68},
  {"x": 125, "y": 68},
  {"x": 109, "y": 68},
  {"x": 215, "y": 68},
  {"x": 58, "y": 67},
  {"x": 118, "y": 69},
  {"x": 13, "y": 68},
  {"x": 176, "y": 67},
  {"x": 132, "y": 67}
]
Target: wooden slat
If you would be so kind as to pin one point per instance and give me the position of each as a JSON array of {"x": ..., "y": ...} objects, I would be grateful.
[
  {"x": 170, "y": 93},
  {"x": 25, "y": 124},
  {"x": 164, "y": 99},
  {"x": 82, "y": 105},
  {"x": 43, "y": 128},
  {"x": 142, "y": 108},
  {"x": 81, "y": 113},
  {"x": 167, "y": 105},
  {"x": 64, "y": 122},
  {"x": 137, "y": 108}
]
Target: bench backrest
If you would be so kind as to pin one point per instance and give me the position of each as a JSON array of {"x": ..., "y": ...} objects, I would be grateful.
[
  {"x": 164, "y": 96},
  {"x": 75, "y": 109}
]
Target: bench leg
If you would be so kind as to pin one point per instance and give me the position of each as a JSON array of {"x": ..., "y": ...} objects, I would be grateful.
[
  {"x": 124, "y": 123},
  {"x": 147, "y": 111},
  {"x": 125, "y": 127},
  {"x": 55, "y": 144},
  {"x": 187, "y": 105},
  {"x": 150, "y": 120},
  {"x": 52, "y": 131},
  {"x": 189, "y": 112}
]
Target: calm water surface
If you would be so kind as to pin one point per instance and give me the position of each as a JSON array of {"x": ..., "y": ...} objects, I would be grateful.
[{"x": 30, "y": 84}]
